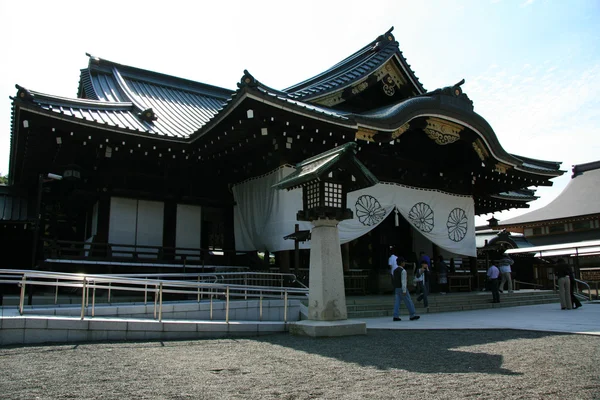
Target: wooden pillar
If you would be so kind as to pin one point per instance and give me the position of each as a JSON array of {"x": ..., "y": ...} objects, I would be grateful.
[
  {"x": 474, "y": 273},
  {"x": 169, "y": 230},
  {"x": 284, "y": 260},
  {"x": 346, "y": 256},
  {"x": 296, "y": 251},
  {"x": 103, "y": 228},
  {"x": 229, "y": 234},
  {"x": 103, "y": 219},
  {"x": 435, "y": 255}
]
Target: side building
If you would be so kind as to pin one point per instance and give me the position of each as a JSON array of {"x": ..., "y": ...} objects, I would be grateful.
[{"x": 569, "y": 226}]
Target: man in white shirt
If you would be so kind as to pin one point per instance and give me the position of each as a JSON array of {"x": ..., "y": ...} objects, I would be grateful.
[
  {"x": 399, "y": 280},
  {"x": 393, "y": 260}
]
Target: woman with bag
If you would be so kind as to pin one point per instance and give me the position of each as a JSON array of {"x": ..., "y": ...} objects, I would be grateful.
[{"x": 422, "y": 282}]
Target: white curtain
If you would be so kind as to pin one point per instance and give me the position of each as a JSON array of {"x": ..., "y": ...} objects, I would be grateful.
[{"x": 263, "y": 215}]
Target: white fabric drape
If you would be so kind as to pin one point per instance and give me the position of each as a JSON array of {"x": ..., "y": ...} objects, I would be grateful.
[{"x": 263, "y": 215}]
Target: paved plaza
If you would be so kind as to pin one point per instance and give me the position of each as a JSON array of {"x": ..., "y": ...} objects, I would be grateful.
[{"x": 542, "y": 317}]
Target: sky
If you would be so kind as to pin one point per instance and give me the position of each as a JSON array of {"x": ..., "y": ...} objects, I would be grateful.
[{"x": 532, "y": 67}]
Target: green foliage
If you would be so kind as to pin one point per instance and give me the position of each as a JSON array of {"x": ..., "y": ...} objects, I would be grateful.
[{"x": 3, "y": 179}]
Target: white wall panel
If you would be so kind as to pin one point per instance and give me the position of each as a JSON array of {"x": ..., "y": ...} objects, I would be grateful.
[
  {"x": 122, "y": 225},
  {"x": 150, "y": 219},
  {"x": 189, "y": 222}
]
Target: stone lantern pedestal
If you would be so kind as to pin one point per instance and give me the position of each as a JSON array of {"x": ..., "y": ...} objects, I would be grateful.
[{"x": 327, "y": 314}]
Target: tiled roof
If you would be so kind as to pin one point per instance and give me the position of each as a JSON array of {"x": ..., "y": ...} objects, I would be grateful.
[
  {"x": 13, "y": 208},
  {"x": 300, "y": 104},
  {"x": 579, "y": 198},
  {"x": 117, "y": 115},
  {"x": 524, "y": 195},
  {"x": 180, "y": 107},
  {"x": 314, "y": 167},
  {"x": 355, "y": 67},
  {"x": 538, "y": 165}
]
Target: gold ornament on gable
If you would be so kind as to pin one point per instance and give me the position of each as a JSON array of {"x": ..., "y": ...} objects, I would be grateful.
[
  {"x": 365, "y": 134},
  {"x": 441, "y": 131},
  {"x": 398, "y": 132},
  {"x": 502, "y": 168},
  {"x": 480, "y": 149}
]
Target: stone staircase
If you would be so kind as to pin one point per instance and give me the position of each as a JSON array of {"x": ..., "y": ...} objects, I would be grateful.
[{"x": 382, "y": 306}]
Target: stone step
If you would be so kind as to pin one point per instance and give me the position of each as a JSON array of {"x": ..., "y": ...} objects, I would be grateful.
[
  {"x": 388, "y": 312},
  {"x": 383, "y": 306},
  {"x": 438, "y": 300},
  {"x": 452, "y": 305},
  {"x": 449, "y": 296}
]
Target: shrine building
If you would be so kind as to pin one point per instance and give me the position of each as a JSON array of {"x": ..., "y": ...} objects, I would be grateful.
[{"x": 148, "y": 172}]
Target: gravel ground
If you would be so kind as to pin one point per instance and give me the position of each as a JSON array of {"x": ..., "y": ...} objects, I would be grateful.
[{"x": 486, "y": 364}]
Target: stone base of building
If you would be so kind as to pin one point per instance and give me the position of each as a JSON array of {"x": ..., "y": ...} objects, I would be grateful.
[{"x": 328, "y": 328}]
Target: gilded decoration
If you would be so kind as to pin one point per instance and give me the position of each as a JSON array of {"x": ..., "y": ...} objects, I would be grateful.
[
  {"x": 356, "y": 89},
  {"x": 502, "y": 168},
  {"x": 389, "y": 86},
  {"x": 442, "y": 132},
  {"x": 398, "y": 132},
  {"x": 390, "y": 69},
  {"x": 365, "y": 134},
  {"x": 480, "y": 149},
  {"x": 337, "y": 97}
]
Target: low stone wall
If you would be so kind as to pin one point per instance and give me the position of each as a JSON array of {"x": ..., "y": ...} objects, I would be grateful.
[{"x": 135, "y": 322}]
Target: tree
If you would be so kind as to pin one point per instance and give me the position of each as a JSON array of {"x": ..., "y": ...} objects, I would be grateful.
[{"x": 3, "y": 179}]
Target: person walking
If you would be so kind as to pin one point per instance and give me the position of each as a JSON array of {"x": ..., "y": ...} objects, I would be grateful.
[
  {"x": 564, "y": 284},
  {"x": 401, "y": 294},
  {"x": 506, "y": 272},
  {"x": 493, "y": 274},
  {"x": 392, "y": 261},
  {"x": 422, "y": 281}
]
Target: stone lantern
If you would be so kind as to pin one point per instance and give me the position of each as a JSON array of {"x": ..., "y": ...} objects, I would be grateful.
[{"x": 325, "y": 180}]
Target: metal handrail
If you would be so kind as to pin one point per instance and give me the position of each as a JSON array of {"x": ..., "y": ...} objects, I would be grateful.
[
  {"x": 578, "y": 291},
  {"x": 516, "y": 282},
  {"x": 588, "y": 286},
  {"x": 222, "y": 277},
  {"x": 160, "y": 287}
]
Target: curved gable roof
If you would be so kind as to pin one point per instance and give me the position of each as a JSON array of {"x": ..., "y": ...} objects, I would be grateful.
[{"x": 355, "y": 68}]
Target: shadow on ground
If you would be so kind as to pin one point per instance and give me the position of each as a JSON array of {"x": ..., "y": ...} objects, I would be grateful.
[{"x": 471, "y": 351}]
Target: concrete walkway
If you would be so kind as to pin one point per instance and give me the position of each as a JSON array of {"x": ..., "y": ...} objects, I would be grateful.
[{"x": 542, "y": 317}]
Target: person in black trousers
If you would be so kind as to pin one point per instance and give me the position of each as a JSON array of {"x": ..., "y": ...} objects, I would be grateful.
[
  {"x": 493, "y": 275},
  {"x": 562, "y": 272},
  {"x": 574, "y": 300}
]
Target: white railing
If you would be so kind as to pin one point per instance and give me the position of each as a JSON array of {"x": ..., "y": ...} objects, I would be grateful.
[{"x": 207, "y": 285}]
